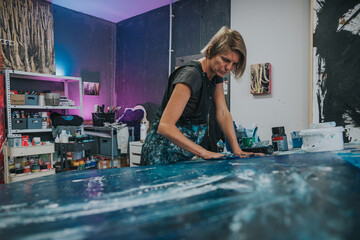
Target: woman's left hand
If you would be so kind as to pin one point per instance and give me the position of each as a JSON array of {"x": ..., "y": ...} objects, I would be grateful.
[{"x": 243, "y": 154}]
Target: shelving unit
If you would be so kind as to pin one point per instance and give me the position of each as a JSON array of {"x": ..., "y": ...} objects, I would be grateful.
[
  {"x": 27, "y": 151},
  {"x": 11, "y": 75}
]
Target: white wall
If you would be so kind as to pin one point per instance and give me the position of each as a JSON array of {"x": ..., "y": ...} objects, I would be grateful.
[{"x": 276, "y": 31}]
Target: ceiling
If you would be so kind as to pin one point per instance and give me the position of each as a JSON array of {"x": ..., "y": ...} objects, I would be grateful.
[{"x": 112, "y": 10}]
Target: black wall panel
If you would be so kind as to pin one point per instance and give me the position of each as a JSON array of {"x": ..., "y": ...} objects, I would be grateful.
[{"x": 142, "y": 55}]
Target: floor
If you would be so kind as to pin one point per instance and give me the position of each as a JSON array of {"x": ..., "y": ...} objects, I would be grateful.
[{"x": 296, "y": 196}]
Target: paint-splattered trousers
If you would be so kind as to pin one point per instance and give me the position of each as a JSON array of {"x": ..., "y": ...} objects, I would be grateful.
[{"x": 159, "y": 150}]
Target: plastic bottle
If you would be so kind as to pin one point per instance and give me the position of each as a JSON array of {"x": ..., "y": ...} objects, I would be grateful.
[
  {"x": 143, "y": 130},
  {"x": 64, "y": 137},
  {"x": 279, "y": 139},
  {"x": 44, "y": 120}
]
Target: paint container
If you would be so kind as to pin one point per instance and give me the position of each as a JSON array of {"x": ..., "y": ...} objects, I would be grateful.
[
  {"x": 248, "y": 142},
  {"x": 35, "y": 167},
  {"x": 41, "y": 101},
  {"x": 279, "y": 139},
  {"x": 143, "y": 131},
  {"x": 43, "y": 168},
  {"x": 296, "y": 139},
  {"x": 36, "y": 141},
  {"x": 322, "y": 139},
  {"x": 27, "y": 169},
  {"x": 322, "y": 125},
  {"x": 44, "y": 120}
]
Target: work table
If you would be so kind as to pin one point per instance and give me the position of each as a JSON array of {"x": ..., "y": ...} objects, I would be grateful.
[{"x": 290, "y": 196}]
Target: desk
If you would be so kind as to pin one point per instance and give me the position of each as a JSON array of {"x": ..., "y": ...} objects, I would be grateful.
[{"x": 297, "y": 196}]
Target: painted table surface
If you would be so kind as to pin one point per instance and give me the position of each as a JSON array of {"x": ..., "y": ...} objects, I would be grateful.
[{"x": 298, "y": 196}]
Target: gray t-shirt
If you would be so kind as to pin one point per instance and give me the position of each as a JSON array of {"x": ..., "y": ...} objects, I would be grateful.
[{"x": 202, "y": 91}]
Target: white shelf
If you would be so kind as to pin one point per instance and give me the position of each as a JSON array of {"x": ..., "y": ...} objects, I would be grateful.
[
  {"x": 27, "y": 176},
  {"x": 11, "y": 75},
  {"x": 41, "y": 76},
  {"x": 44, "y": 107},
  {"x": 31, "y": 130},
  {"x": 26, "y": 151},
  {"x": 31, "y": 150}
]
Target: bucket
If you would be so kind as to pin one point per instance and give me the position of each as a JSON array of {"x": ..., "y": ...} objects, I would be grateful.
[{"x": 322, "y": 139}]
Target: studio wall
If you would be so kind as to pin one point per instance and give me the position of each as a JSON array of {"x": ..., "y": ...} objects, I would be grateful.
[
  {"x": 277, "y": 32},
  {"x": 85, "y": 44},
  {"x": 142, "y": 44},
  {"x": 142, "y": 47}
]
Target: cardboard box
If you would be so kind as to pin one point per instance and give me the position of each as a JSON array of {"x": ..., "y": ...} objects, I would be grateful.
[
  {"x": 17, "y": 99},
  {"x": 104, "y": 164},
  {"x": 122, "y": 162}
]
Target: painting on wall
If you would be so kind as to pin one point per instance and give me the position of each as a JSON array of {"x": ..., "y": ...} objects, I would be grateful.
[
  {"x": 335, "y": 65},
  {"x": 27, "y": 36},
  {"x": 91, "y": 88},
  {"x": 260, "y": 78}
]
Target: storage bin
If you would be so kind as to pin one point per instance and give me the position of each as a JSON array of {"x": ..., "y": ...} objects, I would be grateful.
[
  {"x": 31, "y": 99},
  {"x": 34, "y": 123},
  {"x": 52, "y": 99},
  {"x": 17, "y": 99},
  {"x": 19, "y": 123},
  {"x": 322, "y": 139},
  {"x": 105, "y": 146},
  {"x": 100, "y": 118}
]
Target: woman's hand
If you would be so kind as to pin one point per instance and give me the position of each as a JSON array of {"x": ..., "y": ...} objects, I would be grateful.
[
  {"x": 243, "y": 154},
  {"x": 209, "y": 155}
]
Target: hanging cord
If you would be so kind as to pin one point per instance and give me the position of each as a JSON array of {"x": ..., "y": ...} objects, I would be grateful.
[{"x": 170, "y": 35}]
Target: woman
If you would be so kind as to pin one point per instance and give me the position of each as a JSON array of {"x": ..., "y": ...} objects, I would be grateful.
[{"x": 182, "y": 118}]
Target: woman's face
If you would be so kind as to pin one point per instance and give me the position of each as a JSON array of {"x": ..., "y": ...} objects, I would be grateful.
[{"x": 224, "y": 62}]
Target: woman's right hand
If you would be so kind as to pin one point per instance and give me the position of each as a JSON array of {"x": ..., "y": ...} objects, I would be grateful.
[{"x": 209, "y": 155}]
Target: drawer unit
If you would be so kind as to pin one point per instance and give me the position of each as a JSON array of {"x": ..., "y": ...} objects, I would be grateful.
[{"x": 135, "y": 153}]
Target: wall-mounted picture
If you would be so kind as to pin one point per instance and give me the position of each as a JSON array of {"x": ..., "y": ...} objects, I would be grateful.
[
  {"x": 260, "y": 78},
  {"x": 335, "y": 65},
  {"x": 91, "y": 88}
]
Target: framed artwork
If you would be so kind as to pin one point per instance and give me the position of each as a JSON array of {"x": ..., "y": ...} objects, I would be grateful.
[
  {"x": 260, "y": 78},
  {"x": 335, "y": 84},
  {"x": 91, "y": 88}
]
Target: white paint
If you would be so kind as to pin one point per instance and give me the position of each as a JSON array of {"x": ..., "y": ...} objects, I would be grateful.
[
  {"x": 354, "y": 25},
  {"x": 278, "y": 32}
]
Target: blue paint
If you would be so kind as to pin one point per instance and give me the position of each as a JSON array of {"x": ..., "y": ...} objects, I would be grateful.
[
  {"x": 351, "y": 155},
  {"x": 298, "y": 196}
]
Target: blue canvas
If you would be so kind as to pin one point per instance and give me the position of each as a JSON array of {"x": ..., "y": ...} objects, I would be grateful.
[{"x": 298, "y": 196}]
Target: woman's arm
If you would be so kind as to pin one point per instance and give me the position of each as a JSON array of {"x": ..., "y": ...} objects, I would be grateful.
[
  {"x": 171, "y": 115},
  {"x": 225, "y": 121}
]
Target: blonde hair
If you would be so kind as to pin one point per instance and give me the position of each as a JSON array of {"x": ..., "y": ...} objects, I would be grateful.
[{"x": 225, "y": 40}]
